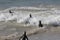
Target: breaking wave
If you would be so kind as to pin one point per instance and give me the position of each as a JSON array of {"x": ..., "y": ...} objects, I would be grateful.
[{"x": 21, "y": 15}]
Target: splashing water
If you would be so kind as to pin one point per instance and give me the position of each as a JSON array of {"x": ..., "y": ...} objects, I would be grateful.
[{"x": 21, "y": 15}]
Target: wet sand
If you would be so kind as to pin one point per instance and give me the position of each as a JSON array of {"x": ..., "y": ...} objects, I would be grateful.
[{"x": 33, "y": 33}]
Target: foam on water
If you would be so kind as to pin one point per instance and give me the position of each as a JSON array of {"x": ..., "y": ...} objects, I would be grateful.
[{"x": 21, "y": 15}]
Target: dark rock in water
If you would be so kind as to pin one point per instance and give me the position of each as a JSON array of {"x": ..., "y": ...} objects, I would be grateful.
[{"x": 40, "y": 24}]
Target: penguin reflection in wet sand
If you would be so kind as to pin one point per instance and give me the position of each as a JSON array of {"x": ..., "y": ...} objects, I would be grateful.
[
  {"x": 24, "y": 36},
  {"x": 40, "y": 24}
]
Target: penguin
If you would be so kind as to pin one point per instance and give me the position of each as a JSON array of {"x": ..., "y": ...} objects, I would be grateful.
[
  {"x": 24, "y": 36},
  {"x": 40, "y": 24},
  {"x": 10, "y": 12},
  {"x": 30, "y": 16}
]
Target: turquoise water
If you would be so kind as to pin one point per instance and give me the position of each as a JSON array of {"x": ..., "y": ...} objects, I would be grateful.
[{"x": 13, "y": 3}]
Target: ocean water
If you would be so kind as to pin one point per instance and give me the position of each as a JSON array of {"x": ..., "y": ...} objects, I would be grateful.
[
  {"x": 46, "y": 11},
  {"x": 12, "y": 3}
]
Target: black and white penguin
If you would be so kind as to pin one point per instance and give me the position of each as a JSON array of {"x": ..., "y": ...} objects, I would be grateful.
[
  {"x": 30, "y": 16},
  {"x": 10, "y": 12},
  {"x": 40, "y": 24},
  {"x": 24, "y": 36}
]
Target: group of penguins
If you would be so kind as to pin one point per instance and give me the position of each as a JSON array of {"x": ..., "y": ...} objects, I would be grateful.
[{"x": 24, "y": 36}]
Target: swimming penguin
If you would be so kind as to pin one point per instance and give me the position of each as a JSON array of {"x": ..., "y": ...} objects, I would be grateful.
[
  {"x": 24, "y": 36},
  {"x": 30, "y": 16},
  {"x": 40, "y": 24},
  {"x": 11, "y": 12}
]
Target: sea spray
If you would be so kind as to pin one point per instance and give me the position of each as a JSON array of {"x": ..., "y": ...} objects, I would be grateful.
[{"x": 21, "y": 15}]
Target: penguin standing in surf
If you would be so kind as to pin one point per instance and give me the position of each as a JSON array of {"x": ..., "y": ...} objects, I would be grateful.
[
  {"x": 30, "y": 16},
  {"x": 24, "y": 36},
  {"x": 40, "y": 24},
  {"x": 27, "y": 21}
]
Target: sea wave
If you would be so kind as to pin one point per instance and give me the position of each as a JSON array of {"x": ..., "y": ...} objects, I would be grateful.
[{"x": 21, "y": 15}]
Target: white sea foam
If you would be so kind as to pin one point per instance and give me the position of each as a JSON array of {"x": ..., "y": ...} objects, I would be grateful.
[{"x": 21, "y": 15}]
